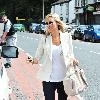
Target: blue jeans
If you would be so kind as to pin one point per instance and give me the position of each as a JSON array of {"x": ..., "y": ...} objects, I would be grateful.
[{"x": 49, "y": 90}]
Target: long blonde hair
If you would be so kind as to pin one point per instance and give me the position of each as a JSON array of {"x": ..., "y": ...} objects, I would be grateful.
[{"x": 61, "y": 24}]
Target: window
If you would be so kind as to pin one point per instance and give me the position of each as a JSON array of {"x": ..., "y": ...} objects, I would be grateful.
[{"x": 78, "y": 3}]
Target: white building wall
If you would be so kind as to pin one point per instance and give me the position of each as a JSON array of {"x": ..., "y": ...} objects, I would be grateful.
[
  {"x": 65, "y": 10},
  {"x": 57, "y": 9},
  {"x": 52, "y": 9},
  {"x": 71, "y": 10},
  {"x": 61, "y": 10}
]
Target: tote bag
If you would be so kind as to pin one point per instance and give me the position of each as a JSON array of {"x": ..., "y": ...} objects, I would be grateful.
[{"x": 75, "y": 81}]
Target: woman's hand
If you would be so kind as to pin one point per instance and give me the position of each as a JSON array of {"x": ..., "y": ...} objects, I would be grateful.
[
  {"x": 32, "y": 60},
  {"x": 74, "y": 61}
]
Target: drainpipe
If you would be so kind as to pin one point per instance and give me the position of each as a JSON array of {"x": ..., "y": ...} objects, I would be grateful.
[
  {"x": 43, "y": 10},
  {"x": 84, "y": 12}
]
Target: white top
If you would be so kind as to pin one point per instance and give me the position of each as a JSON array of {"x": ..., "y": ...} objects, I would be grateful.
[
  {"x": 58, "y": 64},
  {"x": 8, "y": 26}
]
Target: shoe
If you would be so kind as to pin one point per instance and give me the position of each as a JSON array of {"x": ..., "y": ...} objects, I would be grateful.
[{"x": 7, "y": 65}]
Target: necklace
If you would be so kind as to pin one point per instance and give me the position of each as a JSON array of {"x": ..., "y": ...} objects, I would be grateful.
[{"x": 56, "y": 40}]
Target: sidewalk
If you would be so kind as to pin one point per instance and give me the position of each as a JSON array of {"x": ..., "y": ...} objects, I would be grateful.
[{"x": 22, "y": 75}]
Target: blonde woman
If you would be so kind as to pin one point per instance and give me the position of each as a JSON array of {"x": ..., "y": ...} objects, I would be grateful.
[{"x": 56, "y": 47}]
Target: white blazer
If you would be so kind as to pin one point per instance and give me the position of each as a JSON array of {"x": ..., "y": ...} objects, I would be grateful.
[{"x": 44, "y": 49}]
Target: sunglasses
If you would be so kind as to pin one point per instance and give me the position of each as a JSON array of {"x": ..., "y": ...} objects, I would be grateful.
[{"x": 47, "y": 23}]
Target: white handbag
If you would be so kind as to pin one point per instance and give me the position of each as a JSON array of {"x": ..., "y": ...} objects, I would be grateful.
[{"x": 75, "y": 81}]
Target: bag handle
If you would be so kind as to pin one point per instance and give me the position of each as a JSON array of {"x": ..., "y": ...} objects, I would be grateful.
[
  {"x": 80, "y": 71},
  {"x": 83, "y": 78}
]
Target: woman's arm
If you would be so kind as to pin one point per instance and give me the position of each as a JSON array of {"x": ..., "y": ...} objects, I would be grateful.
[{"x": 40, "y": 48}]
